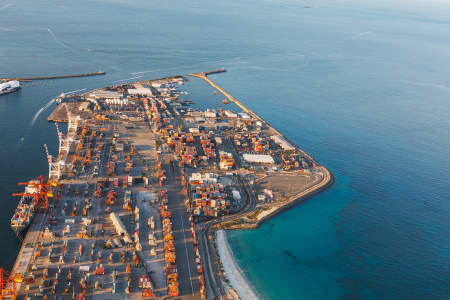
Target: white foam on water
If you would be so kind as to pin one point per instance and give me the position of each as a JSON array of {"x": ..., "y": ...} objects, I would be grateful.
[
  {"x": 71, "y": 92},
  {"x": 58, "y": 41},
  {"x": 126, "y": 79},
  {"x": 6, "y": 6},
  {"x": 428, "y": 84},
  {"x": 20, "y": 143},
  {"x": 361, "y": 34},
  {"x": 33, "y": 121}
]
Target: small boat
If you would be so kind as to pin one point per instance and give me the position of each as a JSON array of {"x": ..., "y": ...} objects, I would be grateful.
[
  {"x": 60, "y": 98},
  {"x": 9, "y": 87},
  {"x": 225, "y": 101},
  {"x": 214, "y": 92},
  {"x": 187, "y": 101}
]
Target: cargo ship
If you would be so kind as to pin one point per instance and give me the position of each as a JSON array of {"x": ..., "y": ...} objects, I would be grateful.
[
  {"x": 25, "y": 210},
  {"x": 9, "y": 87}
]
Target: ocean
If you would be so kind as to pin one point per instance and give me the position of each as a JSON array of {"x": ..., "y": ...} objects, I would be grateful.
[{"x": 362, "y": 87}]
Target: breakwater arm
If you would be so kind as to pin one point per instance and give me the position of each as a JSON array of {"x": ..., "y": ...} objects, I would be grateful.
[
  {"x": 204, "y": 76},
  {"x": 54, "y": 77}
]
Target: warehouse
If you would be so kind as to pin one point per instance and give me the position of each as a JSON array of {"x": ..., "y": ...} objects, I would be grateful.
[
  {"x": 258, "y": 158},
  {"x": 282, "y": 142},
  {"x": 105, "y": 95},
  {"x": 140, "y": 91}
]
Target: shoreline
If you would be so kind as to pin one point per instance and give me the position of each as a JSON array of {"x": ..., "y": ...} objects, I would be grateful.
[
  {"x": 298, "y": 199},
  {"x": 237, "y": 279},
  {"x": 233, "y": 278},
  {"x": 226, "y": 255}
]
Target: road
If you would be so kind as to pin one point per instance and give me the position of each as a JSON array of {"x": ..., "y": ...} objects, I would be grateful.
[
  {"x": 184, "y": 245},
  {"x": 213, "y": 283}
]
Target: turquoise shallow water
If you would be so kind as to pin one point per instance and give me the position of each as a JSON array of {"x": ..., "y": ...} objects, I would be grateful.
[{"x": 364, "y": 88}]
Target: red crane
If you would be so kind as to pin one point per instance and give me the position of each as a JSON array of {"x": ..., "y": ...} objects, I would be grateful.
[
  {"x": 7, "y": 285},
  {"x": 42, "y": 191}
]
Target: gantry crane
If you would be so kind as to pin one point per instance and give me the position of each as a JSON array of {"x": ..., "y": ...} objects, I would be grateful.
[
  {"x": 42, "y": 191},
  {"x": 7, "y": 285}
]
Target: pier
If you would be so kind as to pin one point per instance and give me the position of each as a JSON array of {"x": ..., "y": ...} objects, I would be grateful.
[
  {"x": 53, "y": 77},
  {"x": 204, "y": 76}
]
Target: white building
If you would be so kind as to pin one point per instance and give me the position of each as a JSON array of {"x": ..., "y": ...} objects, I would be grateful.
[
  {"x": 282, "y": 142},
  {"x": 140, "y": 91},
  {"x": 204, "y": 178},
  {"x": 100, "y": 94},
  {"x": 258, "y": 158},
  {"x": 244, "y": 115},
  {"x": 230, "y": 114},
  {"x": 210, "y": 114}
]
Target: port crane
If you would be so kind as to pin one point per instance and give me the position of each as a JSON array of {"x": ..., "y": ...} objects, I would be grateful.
[
  {"x": 42, "y": 191},
  {"x": 7, "y": 285}
]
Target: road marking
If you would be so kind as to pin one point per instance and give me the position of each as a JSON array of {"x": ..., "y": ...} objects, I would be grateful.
[{"x": 187, "y": 256}]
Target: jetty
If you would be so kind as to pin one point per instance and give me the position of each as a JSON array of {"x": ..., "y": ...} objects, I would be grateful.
[
  {"x": 61, "y": 112},
  {"x": 53, "y": 76}
]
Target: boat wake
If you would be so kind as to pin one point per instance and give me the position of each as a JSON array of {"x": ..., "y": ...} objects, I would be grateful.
[
  {"x": 359, "y": 35},
  {"x": 58, "y": 41},
  {"x": 33, "y": 121},
  {"x": 6, "y": 6},
  {"x": 426, "y": 84},
  {"x": 152, "y": 71},
  {"x": 126, "y": 79},
  {"x": 20, "y": 143},
  {"x": 71, "y": 92},
  {"x": 271, "y": 69}
]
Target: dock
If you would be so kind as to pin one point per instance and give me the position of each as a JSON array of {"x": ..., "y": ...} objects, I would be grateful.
[
  {"x": 60, "y": 113},
  {"x": 53, "y": 76},
  {"x": 221, "y": 70}
]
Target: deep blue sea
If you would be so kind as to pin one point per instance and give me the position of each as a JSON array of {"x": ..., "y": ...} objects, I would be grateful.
[{"x": 363, "y": 87}]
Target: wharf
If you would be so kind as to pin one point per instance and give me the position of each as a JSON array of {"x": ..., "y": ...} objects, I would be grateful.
[
  {"x": 221, "y": 70},
  {"x": 60, "y": 113},
  {"x": 28, "y": 246},
  {"x": 204, "y": 76}
]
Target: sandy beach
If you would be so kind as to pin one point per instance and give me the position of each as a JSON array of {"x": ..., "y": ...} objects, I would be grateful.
[{"x": 233, "y": 272}]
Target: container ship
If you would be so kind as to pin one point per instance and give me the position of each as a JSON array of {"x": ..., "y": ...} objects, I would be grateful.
[
  {"x": 9, "y": 87},
  {"x": 25, "y": 210}
]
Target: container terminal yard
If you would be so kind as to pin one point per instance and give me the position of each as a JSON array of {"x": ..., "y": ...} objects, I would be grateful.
[{"x": 140, "y": 184}]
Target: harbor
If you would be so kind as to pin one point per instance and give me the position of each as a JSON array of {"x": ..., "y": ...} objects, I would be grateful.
[
  {"x": 368, "y": 102},
  {"x": 141, "y": 181}
]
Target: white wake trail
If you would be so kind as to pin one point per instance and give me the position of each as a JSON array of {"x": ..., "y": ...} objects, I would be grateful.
[
  {"x": 6, "y": 6},
  {"x": 151, "y": 71},
  {"x": 71, "y": 92},
  {"x": 359, "y": 35},
  {"x": 58, "y": 41},
  {"x": 20, "y": 142},
  {"x": 33, "y": 121},
  {"x": 126, "y": 79},
  {"x": 428, "y": 84}
]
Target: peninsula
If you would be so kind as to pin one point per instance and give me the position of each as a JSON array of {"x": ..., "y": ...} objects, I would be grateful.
[{"x": 140, "y": 185}]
